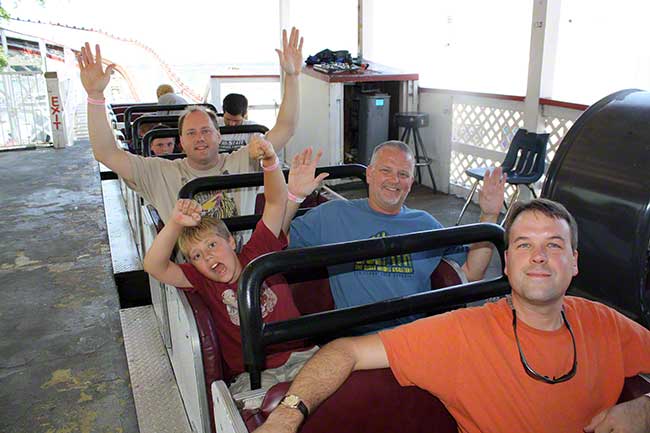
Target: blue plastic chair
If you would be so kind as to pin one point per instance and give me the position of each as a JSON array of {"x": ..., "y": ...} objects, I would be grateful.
[{"x": 524, "y": 165}]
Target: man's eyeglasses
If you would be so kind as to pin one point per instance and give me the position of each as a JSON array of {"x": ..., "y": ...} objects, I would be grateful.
[{"x": 529, "y": 370}]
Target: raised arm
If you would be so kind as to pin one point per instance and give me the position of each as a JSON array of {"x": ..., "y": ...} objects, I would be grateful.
[
  {"x": 301, "y": 182},
  {"x": 186, "y": 213},
  {"x": 95, "y": 79},
  {"x": 275, "y": 188},
  {"x": 291, "y": 62},
  {"x": 490, "y": 200},
  {"x": 323, "y": 374}
]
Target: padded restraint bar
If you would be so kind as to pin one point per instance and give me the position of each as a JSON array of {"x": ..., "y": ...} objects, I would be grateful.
[
  {"x": 136, "y": 144},
  {"x": 152, "y": 108},
  {"x": 173, "y": 132},
  {"x": 247, "y": 180}
]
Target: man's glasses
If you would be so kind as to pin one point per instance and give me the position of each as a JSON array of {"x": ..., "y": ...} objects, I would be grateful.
[{"x": 529, "y": 370}]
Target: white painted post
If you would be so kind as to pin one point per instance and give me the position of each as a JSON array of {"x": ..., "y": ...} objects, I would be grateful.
[
  {"x": 59, "y": 136},
  {"x": 360, "y": 30},
  {"x": 541, "y": 64},
  {"x": 43, "y": 49},
  {"x": 215, "y": 93}
]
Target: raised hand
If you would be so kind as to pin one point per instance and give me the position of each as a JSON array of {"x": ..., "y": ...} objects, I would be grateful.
[
  {"x": 93, "y": 76},
  {"x": 491, "y": 194},
  {"x": 291, "y": 54},
  {"x": 261, "y": 149},
  {"x": 301, "y": 176},
  {"x": 187, "y": 213}
]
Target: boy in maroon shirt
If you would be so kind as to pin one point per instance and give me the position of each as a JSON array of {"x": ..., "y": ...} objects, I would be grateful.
[{"x": 214, "y": 269}]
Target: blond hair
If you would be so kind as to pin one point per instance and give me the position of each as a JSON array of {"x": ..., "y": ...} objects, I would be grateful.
[
  {"x": 164, "y": 89},
  {"x": 208, "y": 226}
]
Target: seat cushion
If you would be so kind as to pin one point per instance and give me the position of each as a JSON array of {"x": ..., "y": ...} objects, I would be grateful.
[{"x": 372, "y": 401}]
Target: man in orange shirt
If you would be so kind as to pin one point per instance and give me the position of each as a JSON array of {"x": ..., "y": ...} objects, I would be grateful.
[{"x": 560, "y": 361}]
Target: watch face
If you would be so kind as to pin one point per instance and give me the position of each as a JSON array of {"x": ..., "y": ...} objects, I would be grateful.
[{"x": 291, "y": 401}]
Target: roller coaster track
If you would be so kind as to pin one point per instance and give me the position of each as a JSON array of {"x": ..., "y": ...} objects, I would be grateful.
[{"x": 179, "y": 85}]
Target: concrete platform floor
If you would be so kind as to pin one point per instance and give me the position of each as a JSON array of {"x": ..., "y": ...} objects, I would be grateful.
[{"x": 62, "y": 364}]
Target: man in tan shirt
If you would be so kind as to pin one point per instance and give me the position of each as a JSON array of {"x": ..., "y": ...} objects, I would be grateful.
[{"x": 158, "y": 180}]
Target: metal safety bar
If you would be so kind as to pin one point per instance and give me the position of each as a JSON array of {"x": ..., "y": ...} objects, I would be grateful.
[
  {"x": 256, "y": 335},
  {"x": 247, "y": 180},
  {"x": 135, "y": 139},
  {"x": 153, "y": 108},
  {"x": 173, "y": 132}
]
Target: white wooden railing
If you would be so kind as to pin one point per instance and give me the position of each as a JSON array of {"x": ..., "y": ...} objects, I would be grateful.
[{"x": 472, "y": 129}]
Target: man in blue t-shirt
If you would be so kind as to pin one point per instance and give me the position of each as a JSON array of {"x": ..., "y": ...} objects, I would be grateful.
[{"x": 389, "y": 177}]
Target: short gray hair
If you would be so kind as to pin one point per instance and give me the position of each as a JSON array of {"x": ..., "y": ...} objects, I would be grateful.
[
  {"x": 395, "y": 144},
  {"x": 191, "y": 109}
]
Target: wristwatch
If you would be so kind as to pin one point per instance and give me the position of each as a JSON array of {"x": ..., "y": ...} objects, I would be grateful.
[{"x": 294, "y": 402}]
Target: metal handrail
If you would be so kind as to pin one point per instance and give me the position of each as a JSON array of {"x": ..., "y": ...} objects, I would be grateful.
[
  {"x": 173, "y": 132},
  {"x": 247, "y": 180},
  {"x": 153, "y": 108}
]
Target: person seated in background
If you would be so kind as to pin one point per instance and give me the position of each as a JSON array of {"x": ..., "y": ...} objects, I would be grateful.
[
  {"x": 214, "y": 268},
  {"x": 235, "y": 110},
  {"x": 162, "y": 145},
  {"x": 144, "y": 128},
  {"x": 536, "y": 361},
  {"x": 166, "y": 96},
  {"x": 159, "y": 180},
  {"x": 389, "y": 176},
  {"x": 235, "y": 113}
]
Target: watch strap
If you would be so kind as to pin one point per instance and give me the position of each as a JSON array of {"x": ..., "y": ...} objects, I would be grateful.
[{"x": 295, "y": 402}]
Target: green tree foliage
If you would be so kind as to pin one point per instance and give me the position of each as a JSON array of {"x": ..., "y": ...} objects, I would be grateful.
[
  {"x": 4, "y": 15},
  {"x": 3, "y": 56}
]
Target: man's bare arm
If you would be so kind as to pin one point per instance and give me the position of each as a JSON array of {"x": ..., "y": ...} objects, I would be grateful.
[
  {"x": 324, "y": 374},
  {"x": 291, "y": 62},
  {"x": 630, "y": 417},
  {"x": 302, "y": 182},
  {"x": 95, "y": 79},
  {"x": 490, "y": 199}
]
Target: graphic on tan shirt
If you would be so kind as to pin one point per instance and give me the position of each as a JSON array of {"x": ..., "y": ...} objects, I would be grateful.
[
  {"x": 216, "y": 204},
  {"x": 400, "y": 264},
  {"x": 231, "y": 144},
  {"x": 268, "y": 300}
]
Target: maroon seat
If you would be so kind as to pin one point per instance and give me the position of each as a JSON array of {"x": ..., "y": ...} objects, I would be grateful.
[
  {"x": 634, "y": 387},
  {"x": 373, "y": 401},
  {"x": 214, "y": 367},
  {"x": 369, "y": 401},
  {"x": 314, "y": 199}
]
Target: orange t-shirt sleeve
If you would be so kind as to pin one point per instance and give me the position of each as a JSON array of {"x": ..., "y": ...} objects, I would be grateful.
[
  {"x": 426, "y": 353},
  {"x": 635, "y": 342}
]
